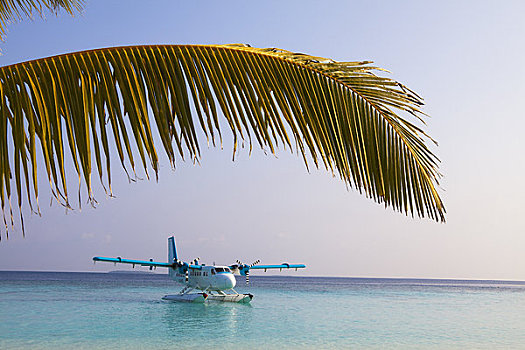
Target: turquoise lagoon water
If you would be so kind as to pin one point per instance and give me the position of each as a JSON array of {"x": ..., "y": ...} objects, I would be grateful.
[{"x": 40, "y": 310}]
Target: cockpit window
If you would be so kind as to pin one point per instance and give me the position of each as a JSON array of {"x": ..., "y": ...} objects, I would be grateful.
[{"x": 222, "y": 269}]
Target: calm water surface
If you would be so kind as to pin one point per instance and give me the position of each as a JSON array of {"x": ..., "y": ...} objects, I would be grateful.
[{"x": 44, "y": 310}]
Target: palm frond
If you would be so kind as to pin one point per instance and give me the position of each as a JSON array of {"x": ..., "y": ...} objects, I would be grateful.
[
  {"x": 338, "y": 114},
  {"x": 15, "y": 10}
]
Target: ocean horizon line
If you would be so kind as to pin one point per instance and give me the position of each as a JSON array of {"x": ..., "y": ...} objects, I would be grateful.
[{"x": 144, "y": 272}]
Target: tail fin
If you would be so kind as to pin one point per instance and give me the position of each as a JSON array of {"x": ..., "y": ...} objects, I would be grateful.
[{"x": 172, "y": 254}]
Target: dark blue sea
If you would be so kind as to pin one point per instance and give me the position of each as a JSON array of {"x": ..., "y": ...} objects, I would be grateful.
[{"x": 49, "y": 310}]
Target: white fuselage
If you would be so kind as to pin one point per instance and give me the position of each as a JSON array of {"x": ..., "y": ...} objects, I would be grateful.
[{"x": 212, "y": 278}]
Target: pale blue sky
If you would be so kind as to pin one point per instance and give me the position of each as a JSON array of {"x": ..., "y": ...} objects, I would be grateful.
[{"x": 466, "y": 59}]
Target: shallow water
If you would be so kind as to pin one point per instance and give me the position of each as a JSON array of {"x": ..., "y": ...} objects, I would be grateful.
[{"x": 43, "y": 310}]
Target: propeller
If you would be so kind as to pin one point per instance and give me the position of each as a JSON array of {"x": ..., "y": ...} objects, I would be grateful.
[
  {"x": 244, "y": 269},
  {"x": 183, "y": 268},
  {"x": 248, "y": 270}
]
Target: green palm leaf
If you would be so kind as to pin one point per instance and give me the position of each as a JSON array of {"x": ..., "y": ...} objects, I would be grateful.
[
  {"x": 14, "y": 10},
  {"x": 87, "y": 104}
]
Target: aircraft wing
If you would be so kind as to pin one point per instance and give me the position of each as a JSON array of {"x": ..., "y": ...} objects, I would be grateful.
[
  {"x": 149, "y": 263},
  {"x": 132, "y": 262},
  {"x": 281, "y": 266}
]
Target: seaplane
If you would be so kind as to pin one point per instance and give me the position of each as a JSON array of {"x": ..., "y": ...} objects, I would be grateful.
[{"x": 215, "y": 283}]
